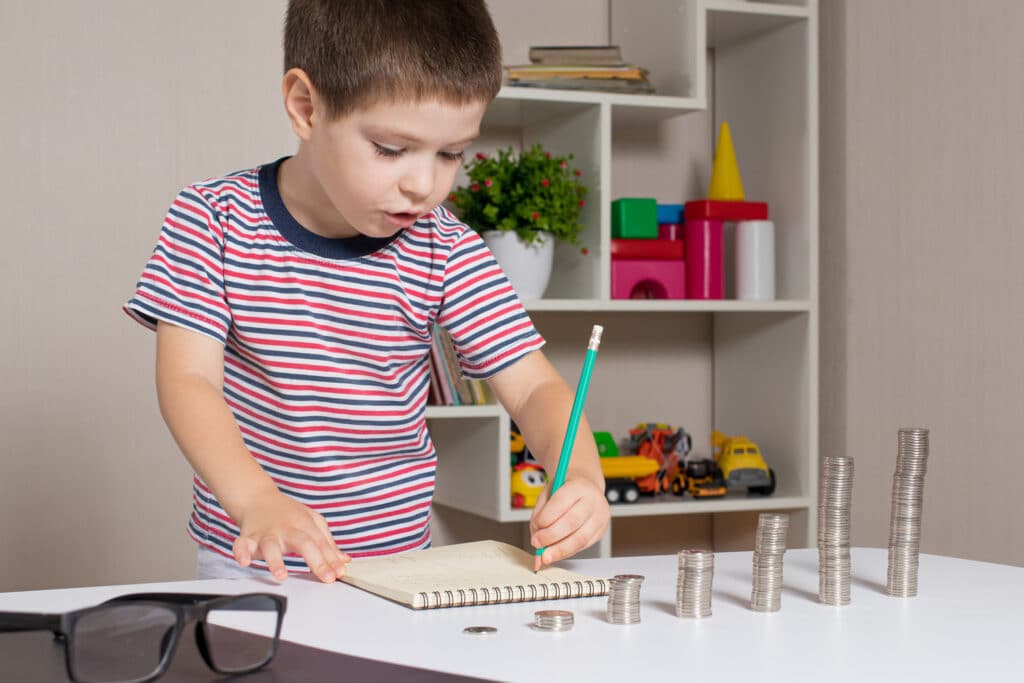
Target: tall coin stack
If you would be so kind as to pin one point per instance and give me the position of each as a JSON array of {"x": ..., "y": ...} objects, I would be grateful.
[
  {"x": 693, "y": 583},
  {"x": 834, "y": 531},
  {"x": 907, "y": 504},
  {"x": 624, "y": 599},
  {"x": 769, "y": 547}
]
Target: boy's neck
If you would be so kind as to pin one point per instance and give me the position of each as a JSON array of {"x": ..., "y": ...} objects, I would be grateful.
[{"x": 306, "y": 200}]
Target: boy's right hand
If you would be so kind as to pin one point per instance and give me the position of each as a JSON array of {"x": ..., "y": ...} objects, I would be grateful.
[{"x": 275, "y": 524}]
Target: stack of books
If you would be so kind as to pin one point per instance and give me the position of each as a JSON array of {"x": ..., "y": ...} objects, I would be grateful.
[
  {"x": 579, "y": 67},
  {"x": 447, "y": 385}
]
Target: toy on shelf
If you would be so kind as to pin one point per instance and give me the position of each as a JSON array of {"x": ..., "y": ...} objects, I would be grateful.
[
  {"x": 647, "y": 256},
  {"x": 741, "y": 464},
  {"x": 528, "y": 476},
  {"x": 528, "y": 481},
  {"x": 655, "y": 451},
  {"x": 725, "y": 172},
  {"x": 701, "y": 478}
]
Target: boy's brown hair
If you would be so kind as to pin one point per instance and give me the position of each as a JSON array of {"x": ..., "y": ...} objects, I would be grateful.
[{"x": 358, "y": 52}]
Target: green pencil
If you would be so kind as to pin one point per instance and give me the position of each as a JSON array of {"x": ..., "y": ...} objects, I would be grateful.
[{"x": 574, "y": 420}]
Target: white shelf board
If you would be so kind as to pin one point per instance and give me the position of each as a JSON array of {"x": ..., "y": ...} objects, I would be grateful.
[
  {"x": 448, "y": 412},
  {"x": 668, "y": 305},
  {"x": 733, "y": 21},
  {"x": 670, "y": 505},
  {"x": 519, "y": 106}
]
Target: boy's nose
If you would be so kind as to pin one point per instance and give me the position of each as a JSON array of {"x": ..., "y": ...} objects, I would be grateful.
[{"x": 417, "y": 182}]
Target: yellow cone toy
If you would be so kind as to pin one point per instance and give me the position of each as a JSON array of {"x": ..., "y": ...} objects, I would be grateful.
[{"x": 725, "y": 173}]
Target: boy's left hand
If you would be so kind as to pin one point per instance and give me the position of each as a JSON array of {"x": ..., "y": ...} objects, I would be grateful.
[{"x": 573, "y": 519}]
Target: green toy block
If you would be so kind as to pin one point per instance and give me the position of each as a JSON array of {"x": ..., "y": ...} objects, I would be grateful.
[
  {"x": 635, "y": 218},
  {"x": 606, "y": 446}
]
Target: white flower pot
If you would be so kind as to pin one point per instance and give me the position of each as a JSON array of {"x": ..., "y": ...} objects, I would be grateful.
[{"x": 528, "y": 266}]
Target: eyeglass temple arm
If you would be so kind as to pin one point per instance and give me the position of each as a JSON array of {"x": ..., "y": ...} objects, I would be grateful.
[{"x": 27, "y": 621}]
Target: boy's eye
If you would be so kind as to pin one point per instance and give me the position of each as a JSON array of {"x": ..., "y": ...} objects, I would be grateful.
[
  {"x": 389, "y": 152},
  {"x": 452, "y": 156}
]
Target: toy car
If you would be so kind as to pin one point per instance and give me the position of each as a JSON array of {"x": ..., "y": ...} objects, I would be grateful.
[
  {"x": 701, "y": 478},
  {"x": 741, "y": 464}
]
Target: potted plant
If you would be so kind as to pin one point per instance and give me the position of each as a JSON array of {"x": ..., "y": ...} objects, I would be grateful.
[{"x": 521, "y": 205}]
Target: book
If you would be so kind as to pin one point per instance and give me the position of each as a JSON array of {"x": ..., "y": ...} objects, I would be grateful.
[
  {"x": 464, "y": 574},
  {"x": 575, "y": 54},
  {"x": 539, "y": 71}
]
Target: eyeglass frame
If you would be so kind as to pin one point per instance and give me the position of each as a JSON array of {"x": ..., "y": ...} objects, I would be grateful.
[{"x": 187, "y": 607}]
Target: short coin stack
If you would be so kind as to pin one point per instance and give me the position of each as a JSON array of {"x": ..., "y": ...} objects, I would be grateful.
[
  {"x": 834, "y": 531},
  {"x": 693, "y": 583},
  {"x": 624, "y": 599},
  {"x": 907, "y": 505},
  {"x": 553, "y": 620},
  {"x": 769, "y": 547}
]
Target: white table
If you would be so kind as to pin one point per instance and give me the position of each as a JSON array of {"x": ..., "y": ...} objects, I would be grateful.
[{"x": 966, "y": 624}]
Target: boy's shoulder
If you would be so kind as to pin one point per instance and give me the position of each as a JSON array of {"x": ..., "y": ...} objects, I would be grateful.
[{"x": 246, "y": 181}]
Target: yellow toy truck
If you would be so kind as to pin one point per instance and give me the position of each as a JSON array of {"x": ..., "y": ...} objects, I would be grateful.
[{"x": 741, "y": 464}]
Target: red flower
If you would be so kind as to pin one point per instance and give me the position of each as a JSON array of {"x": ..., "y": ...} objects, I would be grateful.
[
  {"x": 547, "y": 155},
  {"x": 582, "y": 202},
  {"x": 488, "y": 182},
  {"x": 476, "y": 187},
  {"x": 578, "y": 173},
  {"x": 565, "y": 164},
  {"x": 535, "y": 215},
  {"x": 481, "y": 156},
  {"x": 544, "y": 182},
  {"x": 451, "y": 197},
  {"x": 584, "y": 251}
]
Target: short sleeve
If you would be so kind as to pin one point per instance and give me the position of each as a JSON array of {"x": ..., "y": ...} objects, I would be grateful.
[
  {"x": 183, "y": 281},
  {"x": 489, "y": 326}
]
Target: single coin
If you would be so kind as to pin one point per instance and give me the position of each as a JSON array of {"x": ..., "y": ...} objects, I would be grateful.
[{"x": 480, "y": 630}]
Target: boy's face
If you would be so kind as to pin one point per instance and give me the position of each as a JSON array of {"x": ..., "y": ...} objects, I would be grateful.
[{"x": 381, "y": 167}]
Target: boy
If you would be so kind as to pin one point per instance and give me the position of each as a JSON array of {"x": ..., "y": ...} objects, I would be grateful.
[{"x": 294, "y": 305}]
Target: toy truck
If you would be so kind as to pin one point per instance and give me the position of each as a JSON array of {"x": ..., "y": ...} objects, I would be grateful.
[
  {"x": 741, "y": 464},
  {"x": 701, "y": 478},
  {"x": 621, "y": 474},
  {"x": 664, "y": 445}
]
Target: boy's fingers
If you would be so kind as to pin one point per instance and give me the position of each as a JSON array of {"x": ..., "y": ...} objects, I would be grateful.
[
  {"x": 567, "y": 547},
  {"x": 243, "y": 548},
  {"x": 563, "y": 527},
  {"x": 314, "y": 554},
  {"x": 270, "y": 549}
]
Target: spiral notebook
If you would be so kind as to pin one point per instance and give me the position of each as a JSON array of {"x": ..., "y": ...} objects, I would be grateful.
[{"x": 463, "y": 574}]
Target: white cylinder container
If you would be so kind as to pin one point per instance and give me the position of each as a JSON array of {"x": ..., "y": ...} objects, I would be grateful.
[{"x": 755, "y": 260}]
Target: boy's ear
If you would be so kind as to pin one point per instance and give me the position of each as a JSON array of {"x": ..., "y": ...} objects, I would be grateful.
[{"x": 300, "y": 101}]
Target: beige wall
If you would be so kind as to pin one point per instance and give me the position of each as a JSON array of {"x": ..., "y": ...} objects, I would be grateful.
[
  {"x": 922, "y": 237},
  {"x": 111, "y": 106}
]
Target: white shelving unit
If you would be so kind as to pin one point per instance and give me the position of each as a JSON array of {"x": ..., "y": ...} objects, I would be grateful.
[{"x": 737, "y": 366}]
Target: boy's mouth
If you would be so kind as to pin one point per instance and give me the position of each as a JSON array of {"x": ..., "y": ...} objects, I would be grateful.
[{"x": 402, "y": 219}]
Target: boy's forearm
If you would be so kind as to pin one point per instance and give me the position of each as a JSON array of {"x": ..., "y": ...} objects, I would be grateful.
[
  {"x": 206, "y": 432},
  {"x": 543, "y": 418}
]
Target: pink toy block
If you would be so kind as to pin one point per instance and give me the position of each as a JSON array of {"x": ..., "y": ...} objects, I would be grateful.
[
  {"x": 705, "y": 259},
  {"x": 648, "y": 279}
]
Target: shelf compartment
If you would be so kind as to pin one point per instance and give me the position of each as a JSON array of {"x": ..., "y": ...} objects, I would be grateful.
[{"x": 732, "y": 21}]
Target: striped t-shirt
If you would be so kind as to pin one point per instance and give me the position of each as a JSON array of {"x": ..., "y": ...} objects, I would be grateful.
[{"x": 326, "y": 349}]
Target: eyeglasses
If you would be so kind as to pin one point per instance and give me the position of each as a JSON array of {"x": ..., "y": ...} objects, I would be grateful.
[{"x": 131, "y": 638}]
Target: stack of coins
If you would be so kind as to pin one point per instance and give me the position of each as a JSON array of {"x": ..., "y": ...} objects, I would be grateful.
[
  {"x": 624, "y": 599},
  {"x": 907, "y": 505},
  {"x": 834, "y": 531},
  {"x": 693, "y": 583},
  {"x": 553, "y": 620},
  {"x": 769, "y": 547}
]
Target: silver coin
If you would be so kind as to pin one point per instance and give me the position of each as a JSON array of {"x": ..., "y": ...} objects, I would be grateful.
[{"x": 480, "y": 630}]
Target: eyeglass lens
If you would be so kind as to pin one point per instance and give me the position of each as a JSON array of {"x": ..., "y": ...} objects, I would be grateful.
[
  {"x": 240, "y": 632},
  {"x": 120, "y": 643}
]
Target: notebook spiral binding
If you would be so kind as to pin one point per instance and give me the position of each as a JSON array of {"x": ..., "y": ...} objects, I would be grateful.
[{"x": 494, "y": 595}]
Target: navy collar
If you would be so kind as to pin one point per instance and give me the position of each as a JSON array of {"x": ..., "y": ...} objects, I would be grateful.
[{"x": 292, "y": 230}]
